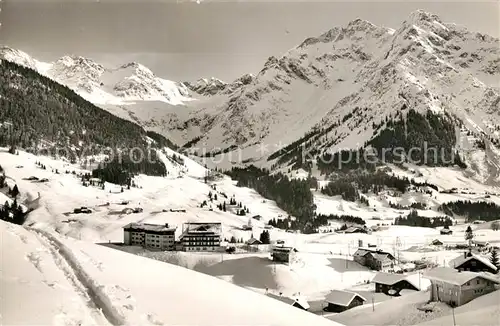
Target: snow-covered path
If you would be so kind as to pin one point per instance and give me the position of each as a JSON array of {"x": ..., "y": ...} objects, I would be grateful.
[{"x": 103, "y": 310}]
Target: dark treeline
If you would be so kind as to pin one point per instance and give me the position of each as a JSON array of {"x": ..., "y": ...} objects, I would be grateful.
[
  {"x": 351, "y": 185},
  {"x": 486, "y": 211},
  {"x": 321, "y": 220},
  {"x": 413, "y": 219},
  {"x": 419, "y": 131},
  {"x": 121, "y": 169},
  {"x": 313, "y": 224},
  {"x": 422, "y": 139},
  {"x": 292, "y": 195},
  {"x": 11, "y": 212}
]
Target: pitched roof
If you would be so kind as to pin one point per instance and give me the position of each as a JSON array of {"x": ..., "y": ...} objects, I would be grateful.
[
  {"x": 353, "y": 229},
  {"x": 452, "y": 276},
  {"x": 460, "y": 260},
  {"x": 301, "y": 301},
  {"x": 253, "y": 241},
  {"x": 364, "y": 251},
  {"x": 149, "y": 227},
  {"x": 341, "y": 298},
  {"x": 391, "y": 279}
]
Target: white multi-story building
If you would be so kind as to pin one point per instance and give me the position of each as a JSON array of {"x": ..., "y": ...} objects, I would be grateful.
[
  {"x": 153, "y": 236},
  {"x": 201, "y": 236}
]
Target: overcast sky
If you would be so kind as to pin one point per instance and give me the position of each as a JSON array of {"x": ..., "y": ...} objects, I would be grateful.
[{"x": 186, "y": 41}]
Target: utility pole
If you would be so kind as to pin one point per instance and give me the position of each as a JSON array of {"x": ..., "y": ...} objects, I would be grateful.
[
  {"x": 453, "y": 313},
  {"x": 373, "y": 304}
]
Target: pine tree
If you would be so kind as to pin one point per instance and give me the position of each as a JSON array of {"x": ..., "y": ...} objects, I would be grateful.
[
  {"x": 469, "y": 235},
  {"x": 495, "y": 260},
  {"x": 265, "y": 237},
  {"x": 15, "y": 191}
]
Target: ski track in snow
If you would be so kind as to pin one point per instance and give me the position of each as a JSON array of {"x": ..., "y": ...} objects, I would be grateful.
[{"x": 103, "y": 310}]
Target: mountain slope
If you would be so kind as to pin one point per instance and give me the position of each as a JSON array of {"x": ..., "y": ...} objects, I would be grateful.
[{"x": 343, "y": 85}]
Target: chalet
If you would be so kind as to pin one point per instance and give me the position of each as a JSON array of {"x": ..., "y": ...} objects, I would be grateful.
[
  {"x": 253, "y": 241},
  {"x": 154, "y": 236},
  {"x": 473, "y": 263},
  {"x": 392, "y": 284},
  {"x": 446, "y": 232},
  {"x": 199, "y": 236},
  {"x": 457, "y": 288},
  {"x": 355, "y": 229},
  {"x": 297, "y": 302},
  {"x": 375, "y": 259},
  {"x": 339, "y": 301},
  {"x": 436, "y": 242},
  {"x": 282, "y": 254},
  {"x": 257, "y": 217}
]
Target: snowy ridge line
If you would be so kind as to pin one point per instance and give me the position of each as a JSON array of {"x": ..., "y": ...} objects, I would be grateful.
[{"x": 97, "y": 297}]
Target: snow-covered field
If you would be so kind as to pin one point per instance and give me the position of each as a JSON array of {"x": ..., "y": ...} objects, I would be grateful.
[
  {"x": 65, "y": 281},
  {"x": 77, "y": 254}
]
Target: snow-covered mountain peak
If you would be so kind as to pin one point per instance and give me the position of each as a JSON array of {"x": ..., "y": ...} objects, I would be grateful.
[
  {"x": 207, "y": 86},
  {"x": 419, "y": 16},
  {"x": 17, "y": 56}
]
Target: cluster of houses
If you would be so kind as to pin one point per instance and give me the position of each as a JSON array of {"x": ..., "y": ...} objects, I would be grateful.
[
  {"x": 468, "y": 277},
  {"x": 195, "y": 236}
]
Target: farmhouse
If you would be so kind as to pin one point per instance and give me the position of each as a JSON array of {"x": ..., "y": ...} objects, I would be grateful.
[
  {"x": 149, "y": 235},
  {"x": 298, "y": 302},
  {"x": 473, "y": 263},
  {"x": 457, "y": 288},
  {"x": 282, "y": 254},
  {"x": 392, "y": 284},
  {"x": 375, "y": 259},
  {"x": 198, "y": 236},
  {"x": 339, "y": 301}
]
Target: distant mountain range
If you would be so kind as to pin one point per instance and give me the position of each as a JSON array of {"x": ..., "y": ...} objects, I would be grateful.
[{"x": 340, "y": 90}]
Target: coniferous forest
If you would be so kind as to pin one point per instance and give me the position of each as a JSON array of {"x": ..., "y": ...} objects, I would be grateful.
[
  {"x": 36, "y": 110},
  {"x": 481, "y": 210},
  {"x": 413, "y": 219},
  {"x": 291, "y": 195}
]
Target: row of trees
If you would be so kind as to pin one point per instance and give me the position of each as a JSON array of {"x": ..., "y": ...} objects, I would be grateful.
[
  {"x": 350, "y": 185},
  {"x": 12, "y": 213},
  {"x": 486, "y": 211},
  {"x": 413, "y": 219}
]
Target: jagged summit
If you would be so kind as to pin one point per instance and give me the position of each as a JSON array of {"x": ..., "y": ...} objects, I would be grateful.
[{"x": 17, "y": 56}]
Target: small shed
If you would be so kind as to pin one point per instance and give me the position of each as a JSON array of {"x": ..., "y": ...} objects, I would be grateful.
[
  {"x": 436, "y": 242},
  {"x": 446, "y": 232},
  {"x": 297, "y": 302},
  {"x": 339, "y": 301}
]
